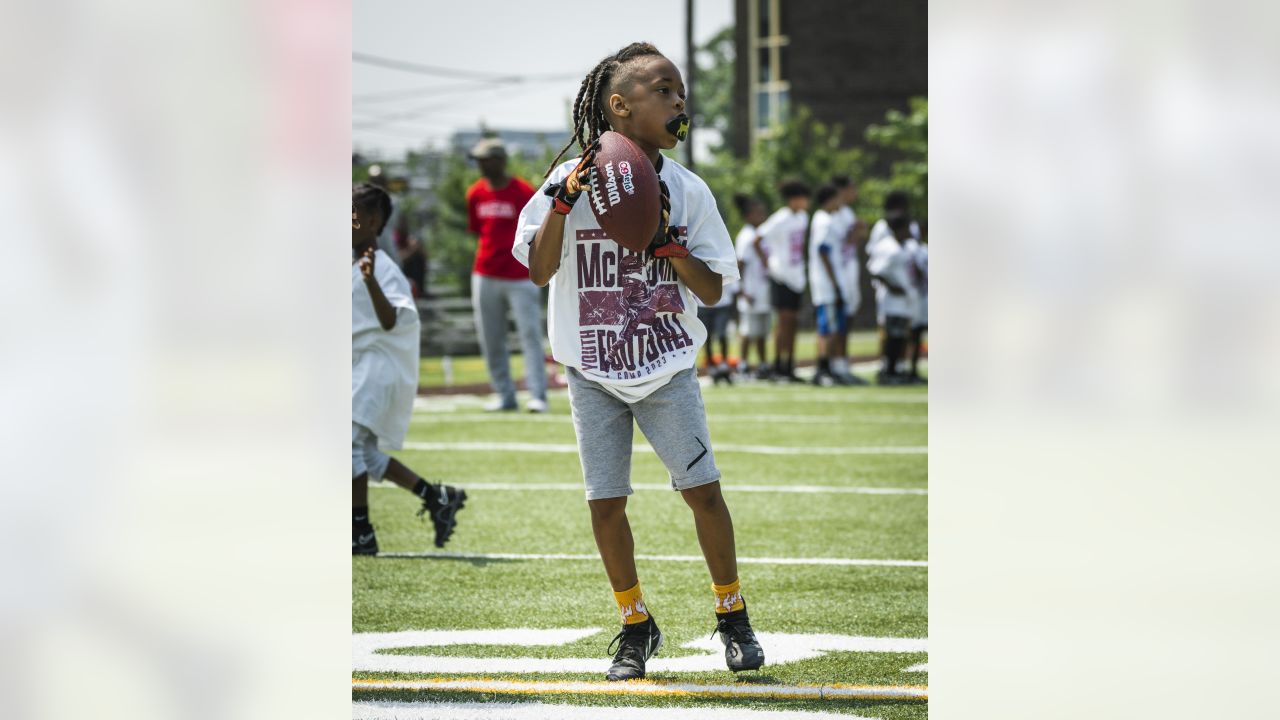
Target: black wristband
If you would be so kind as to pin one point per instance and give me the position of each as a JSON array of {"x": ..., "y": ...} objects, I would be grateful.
[{"x": 561, "y": 201}]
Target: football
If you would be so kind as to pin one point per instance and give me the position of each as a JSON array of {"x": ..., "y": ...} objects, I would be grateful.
[{"x": 625, "y": 196}]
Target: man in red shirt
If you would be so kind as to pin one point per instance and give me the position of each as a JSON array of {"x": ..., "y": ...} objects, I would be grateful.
[{"x": 500, "y": 283}]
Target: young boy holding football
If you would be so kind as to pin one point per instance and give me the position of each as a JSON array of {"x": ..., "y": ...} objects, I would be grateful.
[{"x": 624, "y": 324}]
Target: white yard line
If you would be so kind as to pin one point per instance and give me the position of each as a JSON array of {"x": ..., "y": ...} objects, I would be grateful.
[
  {"x": 832, "y": 420},
  {"x": 572, "y": 449},
  {"x": 658, "y": 558},
  {"x": 550, "y": 711},
  {"x": 835, "y": 396},
  {"x": 849, "y": 692},
  {"x": 369, "y": 651},
  {"x": 800, "y": 489}
]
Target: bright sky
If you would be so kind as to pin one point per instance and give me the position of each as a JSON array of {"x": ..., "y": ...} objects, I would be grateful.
[{"x": 495, "y": 38}]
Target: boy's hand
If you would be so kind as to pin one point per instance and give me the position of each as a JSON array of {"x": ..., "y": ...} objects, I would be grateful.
[
  {"x": 664, "y": 243},
  {"x": 366, "y": 265},
  {"x": 580, "y": 177}
]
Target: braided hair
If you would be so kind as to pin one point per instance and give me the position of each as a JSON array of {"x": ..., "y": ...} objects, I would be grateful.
[
  {"x": 372, "y": 197},
  {"x": 589, "y": 119}
]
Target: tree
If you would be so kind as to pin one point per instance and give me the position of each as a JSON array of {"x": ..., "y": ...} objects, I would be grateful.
[
  {"x": 905, "y": 137},
  {"x": 711, "y": 99},
  {"x": 802, "y": 148}
]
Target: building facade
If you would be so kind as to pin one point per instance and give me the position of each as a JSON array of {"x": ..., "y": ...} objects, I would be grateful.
[{"x": 848, "y": 61}]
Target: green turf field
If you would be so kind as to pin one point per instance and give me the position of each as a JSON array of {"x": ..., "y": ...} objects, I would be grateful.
[{"x": 537, "y": 508}]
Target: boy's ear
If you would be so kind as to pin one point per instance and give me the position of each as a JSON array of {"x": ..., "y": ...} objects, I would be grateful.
[{"x": 618, "y": 105}]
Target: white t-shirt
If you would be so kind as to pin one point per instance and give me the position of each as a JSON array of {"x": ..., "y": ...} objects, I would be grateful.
[
  {"x": 783, "y": 235},
  {"x": 889, "y": 259},
  {"x": 384, "y": 363},
  {"x": 755, "y": 276},
  {"x": 825, "y": 235},
  {"x": 624, "y": 319},
  {"x": 922, "y": 283},
  {"x": 849, "y": 271}
]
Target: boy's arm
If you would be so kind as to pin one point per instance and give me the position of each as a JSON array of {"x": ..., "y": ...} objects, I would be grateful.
[
  {"x": 381, "y": 306},
  {"x": 546, "y": 248},
  {"x": 825, "y": 254},
  {"x": 548, "y": 243},
  {"x": 758, "y": 246},
  {"x": 894, "y": 288},
  {"x": 706, "y": 237},
  {"x": 702, "y": 280}
]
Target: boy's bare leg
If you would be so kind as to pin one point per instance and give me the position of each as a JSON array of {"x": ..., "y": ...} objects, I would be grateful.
[
  {"x": 401, "y": 475},
  {"x": 613, "y": 538},
  {"x": 785, "y": 339},
  {"x": 916, "y": 334},
  {"x": 715, "y": 531}
]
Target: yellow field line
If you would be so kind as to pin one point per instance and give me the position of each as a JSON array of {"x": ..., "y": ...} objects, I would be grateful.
[{"x": 835, "y": 691}]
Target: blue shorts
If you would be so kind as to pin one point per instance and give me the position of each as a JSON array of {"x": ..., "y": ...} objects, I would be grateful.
[{"x": 831, "y": 319}]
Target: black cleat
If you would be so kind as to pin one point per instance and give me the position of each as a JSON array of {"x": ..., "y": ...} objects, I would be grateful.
[
  {"x": 636, "y": 644},
  {"x": 442, "y": 503},
  {"x": 363, "y": 540},
  {"x": 822, "y": 379},
  {"x": 741, "y": 649}
]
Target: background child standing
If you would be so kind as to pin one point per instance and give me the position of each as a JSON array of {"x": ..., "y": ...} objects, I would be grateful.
[
  {"x": 825, "y": 239},
  {"x": 783, "y": 236},
  {"x": 753, "y": 299}
]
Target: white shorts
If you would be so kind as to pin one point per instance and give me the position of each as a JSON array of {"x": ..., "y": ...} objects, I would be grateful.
[
  {"x": 755, "y": 324},
  {"x": 365, "y": 455}
]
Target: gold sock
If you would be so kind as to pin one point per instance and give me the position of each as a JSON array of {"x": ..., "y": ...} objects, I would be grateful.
[
  {"x": 728, "y": 597},
  {"x": 631, "y": 605}
]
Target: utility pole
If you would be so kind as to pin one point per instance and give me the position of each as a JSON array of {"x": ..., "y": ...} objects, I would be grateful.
[{"x": 691, "y": 80}]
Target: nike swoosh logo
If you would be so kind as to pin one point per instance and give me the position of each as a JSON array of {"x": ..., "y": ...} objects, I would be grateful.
[
  {"x": 700, "y": 455},
  {"x": 364, "y": 539}
]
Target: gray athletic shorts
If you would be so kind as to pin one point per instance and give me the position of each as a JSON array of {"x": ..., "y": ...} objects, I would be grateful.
[
  {"x": 755, "y": 324},
  {"x": 672, "y": 418}
]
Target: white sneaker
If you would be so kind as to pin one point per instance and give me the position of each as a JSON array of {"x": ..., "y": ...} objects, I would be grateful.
[{"x": 537, "y": 406}]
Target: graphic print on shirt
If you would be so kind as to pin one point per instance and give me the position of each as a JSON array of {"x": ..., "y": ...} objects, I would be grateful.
[
  {"x": 627, "y": 308},
  {"x": 848, "y": 252},
  {"x": 496, "y": 209},
  {"x": 797, "y": 247}
]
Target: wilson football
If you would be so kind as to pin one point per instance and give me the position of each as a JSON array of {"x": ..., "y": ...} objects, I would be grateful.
[{"x": 625, "y": 197}]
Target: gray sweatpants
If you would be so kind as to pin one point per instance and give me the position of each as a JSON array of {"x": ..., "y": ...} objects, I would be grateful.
[
  {"x": 491, "y": 298},
  {"x": 673, "y": 420}
]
